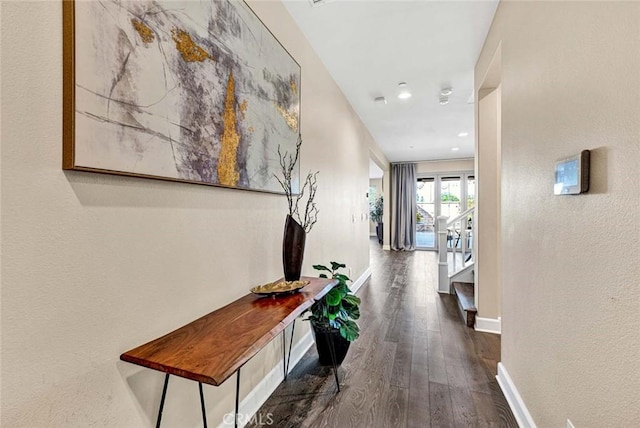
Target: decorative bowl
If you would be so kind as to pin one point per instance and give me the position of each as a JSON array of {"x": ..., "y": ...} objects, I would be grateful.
[{"x": 279, "y": 287}]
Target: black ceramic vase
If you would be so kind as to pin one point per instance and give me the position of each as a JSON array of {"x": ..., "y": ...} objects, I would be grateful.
[{"x": 292, "y": 249}]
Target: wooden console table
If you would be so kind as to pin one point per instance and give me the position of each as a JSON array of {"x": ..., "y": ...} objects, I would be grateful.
[{"x": 215, "y": 346}]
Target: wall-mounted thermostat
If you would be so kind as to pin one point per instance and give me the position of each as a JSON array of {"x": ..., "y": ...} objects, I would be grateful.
[{"x": 572, "y": 175}]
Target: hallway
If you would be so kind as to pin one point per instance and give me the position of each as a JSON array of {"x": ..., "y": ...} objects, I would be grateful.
[{"x": 414, "y": 365}]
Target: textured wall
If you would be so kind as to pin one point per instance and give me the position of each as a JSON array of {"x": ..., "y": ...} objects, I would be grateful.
[
  {"x": 93, "y": 265},
  {"x": 571, "y": 264}
]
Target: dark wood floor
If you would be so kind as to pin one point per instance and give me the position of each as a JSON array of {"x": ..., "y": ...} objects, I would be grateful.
[{"x": 415, "y": 365}]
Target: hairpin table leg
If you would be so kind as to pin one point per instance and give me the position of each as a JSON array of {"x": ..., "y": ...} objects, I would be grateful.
[
  {"x": 284, "y": 353},
  {"x": 237, "y": 399},
  {"x": 204, "y": 412},
  {"x": 287, "y": 364},
  {"x": 332, "y": 351},
  {"x": 164, "y": 394}
]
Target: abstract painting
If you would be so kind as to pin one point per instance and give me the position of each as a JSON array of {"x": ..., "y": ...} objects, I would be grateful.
[{"x": 194, "y": 91}]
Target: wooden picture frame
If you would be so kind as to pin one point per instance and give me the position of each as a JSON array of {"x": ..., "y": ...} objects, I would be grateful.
[{"x": 196, "y": 92}]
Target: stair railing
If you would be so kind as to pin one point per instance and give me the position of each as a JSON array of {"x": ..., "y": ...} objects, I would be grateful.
[{"x": 458, "y": 230}]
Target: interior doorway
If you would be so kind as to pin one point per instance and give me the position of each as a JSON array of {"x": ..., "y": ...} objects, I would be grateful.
[{"x": 377, "y": 202}]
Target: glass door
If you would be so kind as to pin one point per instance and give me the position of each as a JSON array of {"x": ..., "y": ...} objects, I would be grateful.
[
  {"x": 471, "y": 191},
  {"x": 451, "y": 206},
  {"x": 426, "y": 213},
  {"x": 447, "y": 195},
  {"x": 471, "y": 202}
]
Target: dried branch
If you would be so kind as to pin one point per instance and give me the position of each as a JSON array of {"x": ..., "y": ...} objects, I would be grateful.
[
  {"x": 287, "y": 164},
  {"x": 311, "y": 210}
]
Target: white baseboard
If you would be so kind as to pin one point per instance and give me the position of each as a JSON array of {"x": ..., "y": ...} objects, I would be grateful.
[
  {"x": 519, "y": 409},
  {"x": 252, "y": 402},
  {"x": 489, "y": 325},
  {"x": 386, "y": 247},
  {"x": 361, "y": 280}
]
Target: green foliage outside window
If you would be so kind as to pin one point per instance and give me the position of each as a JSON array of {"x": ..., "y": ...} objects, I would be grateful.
[{"x": 448, "y": 197}]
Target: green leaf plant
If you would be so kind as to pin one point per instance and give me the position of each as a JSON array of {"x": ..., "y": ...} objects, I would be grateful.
[{"x": 339, "y": 308}]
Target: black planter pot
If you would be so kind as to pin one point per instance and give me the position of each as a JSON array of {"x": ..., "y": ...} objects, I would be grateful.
[
  {"x": 323, "y": 338},
  {"x": 292, "y": 249},
  {"x": 379, "y": 231}
]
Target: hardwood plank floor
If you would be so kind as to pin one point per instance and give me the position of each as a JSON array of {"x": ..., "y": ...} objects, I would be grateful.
[{"x": 415, "y": 365}]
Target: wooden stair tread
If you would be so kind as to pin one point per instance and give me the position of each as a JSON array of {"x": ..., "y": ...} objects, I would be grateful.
[{"x": 465, "y": 293}]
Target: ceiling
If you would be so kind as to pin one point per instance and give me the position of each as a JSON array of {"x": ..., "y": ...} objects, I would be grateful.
[{"x": 371, "y": 46}]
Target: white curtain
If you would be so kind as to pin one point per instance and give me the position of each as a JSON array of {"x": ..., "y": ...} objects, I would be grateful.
[{"x": 403, "y": 205}]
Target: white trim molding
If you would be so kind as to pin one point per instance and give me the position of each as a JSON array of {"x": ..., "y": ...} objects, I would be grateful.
[
  {"x": 519, "y": 409},
  {"x": 361, "y": 280},
  {"x": 386, "y": 247},
  {"x": 488, "y": 325}
]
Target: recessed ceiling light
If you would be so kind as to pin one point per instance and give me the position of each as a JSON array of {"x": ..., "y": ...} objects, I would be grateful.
[
  {"x": 455, "y": 149},
  {"x": 446, "y": 92},
  {"x": 404, "y": 91},
  {"x": 463, "y": 134},
  {"x": 444, "y": 101},
  {"x": 380, "y": 100}
]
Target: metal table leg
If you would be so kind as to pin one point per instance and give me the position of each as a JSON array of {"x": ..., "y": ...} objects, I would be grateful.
[
  {"x": 284, "y": 353},
  {"x": 237, "y": 400},
  {"x": 204, "y": 412},
  {"x": 164, "y": 394},
  {"x": 286, "y": 360},
  {"x": 332, "y": 351}
]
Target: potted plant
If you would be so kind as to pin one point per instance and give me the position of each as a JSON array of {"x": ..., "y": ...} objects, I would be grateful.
[
  {"x": 375, "y": 213},
  {"x": 333, "y": 317}
]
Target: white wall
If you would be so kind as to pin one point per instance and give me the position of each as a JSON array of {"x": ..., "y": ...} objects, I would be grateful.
[
  {"x": 571, "y": 266},
  {"x": 93, "y": 265},
  {"x": 437, "y": 167}
]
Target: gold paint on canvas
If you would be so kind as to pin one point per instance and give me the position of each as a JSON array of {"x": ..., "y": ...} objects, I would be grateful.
[
  {"x": 189, "y": 50},
  {"x": 228, "y": 174},
  {"x": 290, "y": 118},
  {"x": 146, "y": 34},
  {"x": 243, "y": 109},
  {"x": 294, "y": 87}
]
